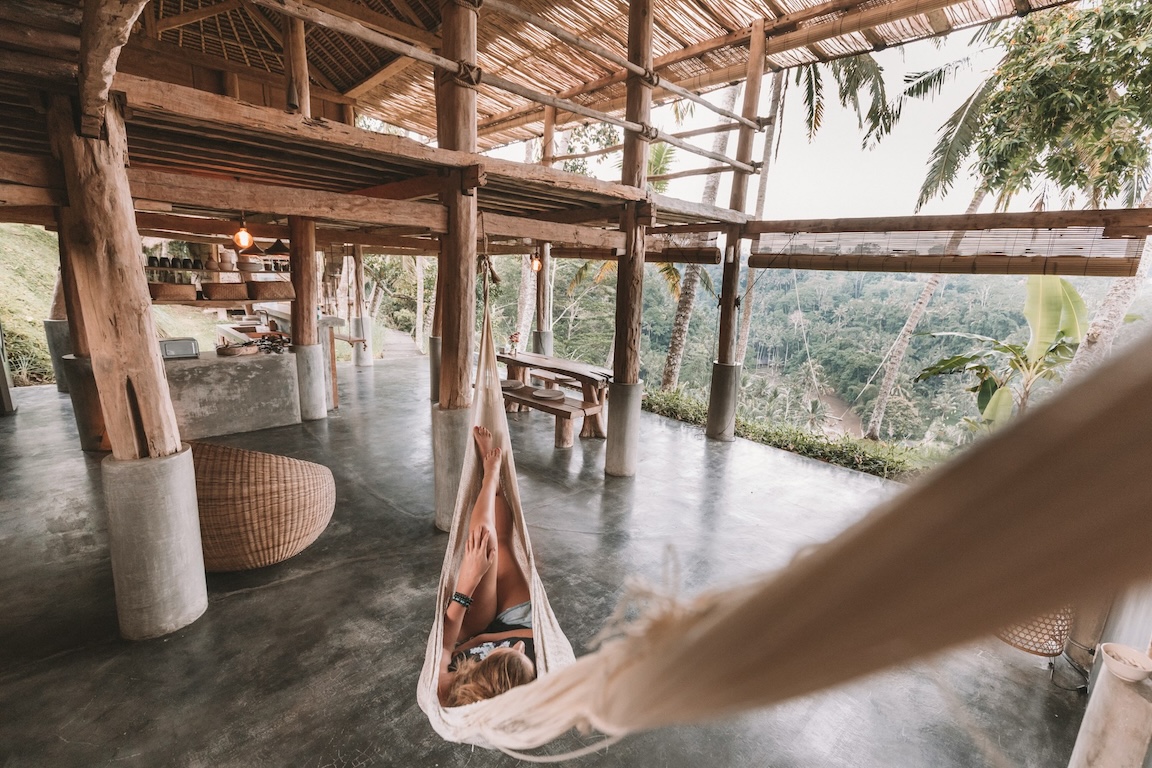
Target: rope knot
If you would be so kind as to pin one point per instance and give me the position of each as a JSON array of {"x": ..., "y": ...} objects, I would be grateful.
[
  {"x": 467, "y": 75},
  {"x": 650, "y": 77},
  {"x": 649, "y": 132}
]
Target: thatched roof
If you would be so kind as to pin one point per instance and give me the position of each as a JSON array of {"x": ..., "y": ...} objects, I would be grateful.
[{"x": 250, "y": 34}]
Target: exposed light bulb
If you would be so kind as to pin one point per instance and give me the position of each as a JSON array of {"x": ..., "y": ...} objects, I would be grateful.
[
  {"x": 537, "y": 264},
  {"x": 243, "y": 238}
]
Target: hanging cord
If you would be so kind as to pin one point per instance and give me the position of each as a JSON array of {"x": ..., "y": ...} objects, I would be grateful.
[{"x": 804, "y": 335}]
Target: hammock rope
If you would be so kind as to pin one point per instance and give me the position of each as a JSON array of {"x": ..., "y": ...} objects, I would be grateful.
[{"x": 1050, "y": 510}]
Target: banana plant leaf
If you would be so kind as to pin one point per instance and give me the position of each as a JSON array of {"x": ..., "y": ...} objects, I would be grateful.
[{"x": 1043, "y": 309}]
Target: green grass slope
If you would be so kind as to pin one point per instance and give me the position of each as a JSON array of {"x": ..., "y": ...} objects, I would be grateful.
[{"x": 28, "y": 266}]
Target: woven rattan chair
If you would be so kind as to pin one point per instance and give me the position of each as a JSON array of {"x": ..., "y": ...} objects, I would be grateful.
[
  {"x": 256, "y": 508},
  {"x": 1044, "y": 635}
]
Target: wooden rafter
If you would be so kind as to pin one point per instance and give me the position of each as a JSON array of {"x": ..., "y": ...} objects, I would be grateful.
[
  {"x": 377, "y": 22},
  {"x": 977, "y": 264},
  {"x": 191, "y": 17},
  {"x": 390, "y": 70}
]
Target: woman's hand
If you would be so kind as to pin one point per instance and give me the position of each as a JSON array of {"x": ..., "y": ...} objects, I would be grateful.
[{"x": 479, "y": 556}]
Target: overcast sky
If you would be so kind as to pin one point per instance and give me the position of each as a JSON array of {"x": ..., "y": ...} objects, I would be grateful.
[{"x": 833, "y": 176}]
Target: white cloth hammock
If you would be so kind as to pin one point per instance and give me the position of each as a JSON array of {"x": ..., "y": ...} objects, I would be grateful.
[
  {"x": 1052, "y": 509},
  {"x": 469, "y": 723}
]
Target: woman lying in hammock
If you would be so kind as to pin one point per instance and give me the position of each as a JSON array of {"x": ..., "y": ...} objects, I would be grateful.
[{"x": 488, "y": 625}]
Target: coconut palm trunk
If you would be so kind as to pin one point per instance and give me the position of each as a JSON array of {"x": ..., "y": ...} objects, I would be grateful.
[
  {"x": 775, "y": 111},
  {"x": 900, "y": 346},
  {"x": 1097, "y": 341},
  {"x": 691, "y": 279}
]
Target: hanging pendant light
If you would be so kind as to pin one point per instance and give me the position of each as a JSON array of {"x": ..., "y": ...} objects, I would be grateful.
[
  {"x": 537, "y": 264},
  {"x": 278, "y": 249},
  {"x": 243, "y": 238}
]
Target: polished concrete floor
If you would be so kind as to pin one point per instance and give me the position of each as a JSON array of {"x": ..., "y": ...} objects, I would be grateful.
[{"x": 314, "y": 662}]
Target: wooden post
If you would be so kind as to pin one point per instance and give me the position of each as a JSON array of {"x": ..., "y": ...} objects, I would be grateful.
[
  {"x": 302, "y": 262},
  {"x": 111, "y": 287},
  {"x": 457, "y": 300},
  {"x": 542, "y": 343},
  {"x": 630, "y": 273},
  {"x": 360, "y": 326},
  {"x": 740, "y": 179},
  {"x": 297, "y": 54},
  {"x": 725, "y": 384},
  {"x": 622, "y": 452},
  {"x": 74, "y": 312},
  {"x": 231, "y": 85},
  {"x": 311, "y": 367}
]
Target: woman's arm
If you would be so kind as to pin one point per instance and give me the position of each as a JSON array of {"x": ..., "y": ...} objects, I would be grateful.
[{"x": 479, "y": 554}]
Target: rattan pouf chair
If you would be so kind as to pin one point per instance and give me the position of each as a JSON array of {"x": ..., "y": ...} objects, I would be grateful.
[
  {"x": 256, "y": 508},
  {"x": 1045, "y": 635}
]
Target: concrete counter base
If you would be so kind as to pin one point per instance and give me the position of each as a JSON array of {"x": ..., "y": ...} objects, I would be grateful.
[{"x": 215, "y": 395}]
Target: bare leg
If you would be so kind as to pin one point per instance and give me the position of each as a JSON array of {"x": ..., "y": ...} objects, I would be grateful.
[
  {"x": 484, "y": 599},
  {"x": 511, "y": 586}
]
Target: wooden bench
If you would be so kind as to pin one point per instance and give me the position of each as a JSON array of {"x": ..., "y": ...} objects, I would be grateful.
[
  {"x": 565, "y": 411},
  {"x": 553, "y": 380}
]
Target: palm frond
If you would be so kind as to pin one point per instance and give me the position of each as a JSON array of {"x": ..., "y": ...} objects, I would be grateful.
[
  {"x": 954, "y": 145},
  {"x": 707, "y": 284},
  {"x": 808, "y": 75},
  {"x": 582, "y": 273},
  {"x": 671, "y": 277}
]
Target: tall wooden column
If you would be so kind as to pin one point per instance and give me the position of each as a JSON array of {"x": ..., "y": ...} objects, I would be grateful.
[
  {"x": 626, "y": 391},
  {"x": 310, "y": 362},
  {"x": 149, "y": 482},
  {"x": 456, "y": 278},
  {"x": 360, "y": 323},
  {"x": 297, "y": 55},
  {"x": 111, "y": 287},
  {"x": 542, "y": 338},
  {"x": 726, "y": 369}
]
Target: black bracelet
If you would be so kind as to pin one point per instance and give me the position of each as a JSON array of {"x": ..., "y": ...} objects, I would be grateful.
[{"x": 464, "y": 600}]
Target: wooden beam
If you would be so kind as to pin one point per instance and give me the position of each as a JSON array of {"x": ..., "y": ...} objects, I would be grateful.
[
  {"x": 39, "y": 215},
  {"x": 663, "y": 203},
  {"x": 980, "y": 264},
  {"x": 185, "y": 189},
  {"x": 112, "y": 288},
  {"x": 377, "y": 22},
  {"x": 32, "y": 170},
  {"x": 45, "y": 14},
  {"x": 407, "y": 189},
  {"x": 513, "y": 226},
  {"x": 22, "y": 196},
  {"x": 39, "y": 40},
  {"x": 196, "y": 107},
  {"x": 191, "y": 17},
  {"x": 174, "y": 227},
  {"x": 105, "y": 29},
  {"x": 1120, "y": 217},
  {"x": 30, "y": 65},
  {"x": 583, "y": 215},
  {"x": 381, "y": 76}
]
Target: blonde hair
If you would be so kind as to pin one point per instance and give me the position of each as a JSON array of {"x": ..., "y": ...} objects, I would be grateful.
[{"x": 477, "y": 680}]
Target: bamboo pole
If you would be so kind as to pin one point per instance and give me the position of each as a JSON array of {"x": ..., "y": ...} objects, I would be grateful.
[
  {"x": 737, "y": 200},
  {"x": 979, "y": 264},
  {"x": 587, "y": 45},
  {"x": 476, "y": 77}
]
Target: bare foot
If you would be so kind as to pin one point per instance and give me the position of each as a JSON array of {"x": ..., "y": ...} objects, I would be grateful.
[
  {"x": 483, "y": 439},
  {"x": 492, "y": 463}
]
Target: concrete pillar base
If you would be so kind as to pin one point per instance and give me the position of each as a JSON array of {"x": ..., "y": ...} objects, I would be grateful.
[
  {"x": 542, "y": 342},
  {"x": 722, "y": 398},
  {"x": 434, "y": 368},
  {"x": 361, "y": 328},
  {"x": 451, "y": 431},
  {"x": 311, "y": 364},
  {"x": 86, "y": 407},
  {"x": 1117, "y": 725},
  {"x": 59, "y": 344},
  {"x": 623, "y": 450},
  {"x": 154, "y": 538}
]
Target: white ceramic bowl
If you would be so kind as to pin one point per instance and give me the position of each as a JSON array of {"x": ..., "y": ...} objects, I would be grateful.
[{"x": 1126, "y": 662}]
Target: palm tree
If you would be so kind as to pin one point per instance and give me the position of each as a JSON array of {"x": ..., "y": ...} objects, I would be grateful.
[
  {"x": 686, "y": 302},
  {"x": 1063, "y": 106}
]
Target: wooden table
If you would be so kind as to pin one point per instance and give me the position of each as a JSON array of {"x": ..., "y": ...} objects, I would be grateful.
[{"x": 593, "y": 381}]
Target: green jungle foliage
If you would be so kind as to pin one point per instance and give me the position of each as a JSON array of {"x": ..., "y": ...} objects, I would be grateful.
[
  {"x": 862, "y": 455},
  {"x": 28, "y": 263}
]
